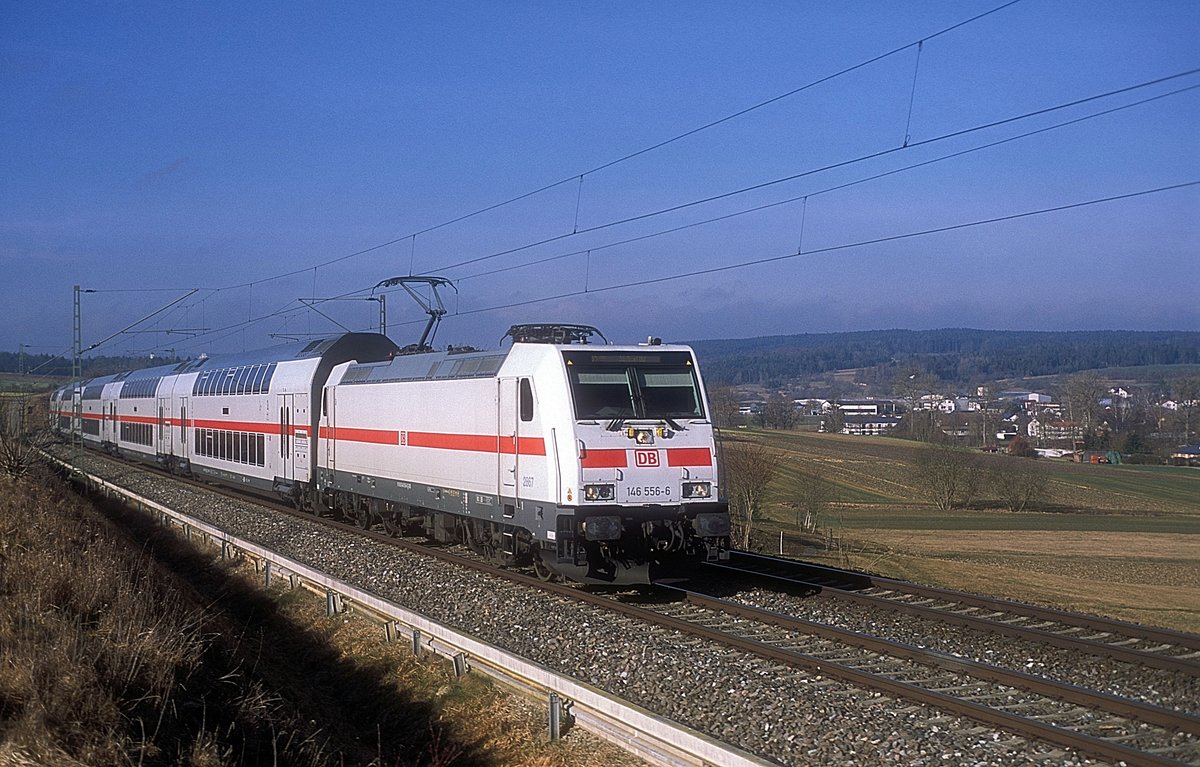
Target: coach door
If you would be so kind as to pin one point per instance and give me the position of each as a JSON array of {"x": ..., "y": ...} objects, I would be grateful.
[
  {"x": 164, "y": 426},
  {"x": 329, "y": 429},
  {"x": 301, "y": 428},
  {"x": 294, "y": 437},
  {"x": 183, "y": 428},
  {"x": 507, "y": 455},
  {"x": 286, "y": 464}
]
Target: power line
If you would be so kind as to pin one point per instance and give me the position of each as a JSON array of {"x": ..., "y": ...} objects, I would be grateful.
[
  {"x": 836, "y": 187},
  {"x": 813, "y": 171},
  {"x": 829, "y": 249},
  {"x": 625, "y": 158},
  {"x": 288, "y": 308},
  {"x": 834, "y": 248}
]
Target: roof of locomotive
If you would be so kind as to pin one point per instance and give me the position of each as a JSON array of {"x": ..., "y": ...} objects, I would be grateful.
[
  {"x": 459, "y": 363},
  {"x": 427, "y": 366}
]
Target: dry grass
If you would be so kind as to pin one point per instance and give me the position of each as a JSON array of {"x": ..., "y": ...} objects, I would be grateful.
[{"x": 109, "y": 656}]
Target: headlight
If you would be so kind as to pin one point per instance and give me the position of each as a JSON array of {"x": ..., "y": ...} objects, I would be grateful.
[
  {"x": 599, "y": 492},
  {"x": 640, "y": 436},
  {"x": 697, "y": 490}
]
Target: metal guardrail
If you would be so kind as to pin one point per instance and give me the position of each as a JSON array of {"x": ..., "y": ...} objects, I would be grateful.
[{"x": 628, "y": 726}]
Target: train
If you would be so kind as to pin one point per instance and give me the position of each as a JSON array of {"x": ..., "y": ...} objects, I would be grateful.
[{"x": 585, "y": 461}]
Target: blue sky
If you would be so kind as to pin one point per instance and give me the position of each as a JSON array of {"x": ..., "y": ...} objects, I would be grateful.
[{"x": 170, "y": 146}]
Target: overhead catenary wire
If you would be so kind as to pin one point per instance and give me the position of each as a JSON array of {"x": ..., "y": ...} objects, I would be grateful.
[
  {"x": 834, "y": 188},
  {"x": 835, "y": 248},
  {"x": 634, "y": 154},
  {"x": 828, "y": 249},
  {"x": 813, "y": 171},
  {"x": 290, "y": 308}
]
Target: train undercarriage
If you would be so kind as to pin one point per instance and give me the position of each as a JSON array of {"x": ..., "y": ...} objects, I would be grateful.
[{"x": 636, "y": 553}]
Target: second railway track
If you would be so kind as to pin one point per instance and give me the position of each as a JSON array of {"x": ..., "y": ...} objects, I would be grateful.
[{"x": 1147, "y": 645}]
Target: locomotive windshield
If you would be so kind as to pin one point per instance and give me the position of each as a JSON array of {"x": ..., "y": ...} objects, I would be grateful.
[{"x": 633, "y": 385}]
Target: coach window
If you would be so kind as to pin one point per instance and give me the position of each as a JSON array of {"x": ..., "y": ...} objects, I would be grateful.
[
  {"x": 526, "y": 400},
  {"x": 260, "y": 372},
  {"x": 243, "y": 374}
]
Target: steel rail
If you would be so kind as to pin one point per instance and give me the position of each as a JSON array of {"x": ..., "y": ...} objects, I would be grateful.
[
  {"x": 1028, "y": 727},
  {"x": 851, "y": 581},
  {"x": 1169, "y": 719}
]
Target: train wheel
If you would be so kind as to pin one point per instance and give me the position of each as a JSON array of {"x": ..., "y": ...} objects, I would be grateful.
[
  {"x": 540, "y": 569},
  {"x": 362, "y": 517},
  {"x": 391, "y": 525}
]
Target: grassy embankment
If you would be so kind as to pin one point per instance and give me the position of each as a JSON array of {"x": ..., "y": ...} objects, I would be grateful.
[
  {"x": 1123, "y": 541},
  {"x": 125, "y": 645}
]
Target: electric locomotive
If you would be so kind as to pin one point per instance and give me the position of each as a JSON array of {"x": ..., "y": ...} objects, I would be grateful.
[{"x": 596, "y": 463}]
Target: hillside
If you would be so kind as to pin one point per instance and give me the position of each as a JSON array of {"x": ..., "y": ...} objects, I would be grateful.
[{"x": 962, "y": 356}]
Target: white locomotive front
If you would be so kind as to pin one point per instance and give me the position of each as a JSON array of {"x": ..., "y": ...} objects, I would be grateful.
[{"x": 596, "y": 463}]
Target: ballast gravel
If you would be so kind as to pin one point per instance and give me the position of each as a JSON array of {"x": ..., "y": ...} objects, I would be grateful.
[
  {"x": 782, "y": 714},
  {"x": 1154, "y": 686}
]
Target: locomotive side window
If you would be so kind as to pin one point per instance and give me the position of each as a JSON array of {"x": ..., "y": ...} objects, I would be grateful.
[{"x": 526, "y": 400}]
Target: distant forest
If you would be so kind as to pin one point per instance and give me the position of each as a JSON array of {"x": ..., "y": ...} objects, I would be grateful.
[
  {"x": 48, "y": 365},
  {"x": 960, "y": 356},
  {"x": 954, "y": 355}
]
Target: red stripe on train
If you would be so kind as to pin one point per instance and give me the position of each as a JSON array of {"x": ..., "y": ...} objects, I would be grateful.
[
  {"x": 603, "y": 459},
  {"x": 371, "y": 436},
  {"x": 689, "y": 456},
  {"x": 477, "y": 443},
  {"x": 619, "y": 459}
]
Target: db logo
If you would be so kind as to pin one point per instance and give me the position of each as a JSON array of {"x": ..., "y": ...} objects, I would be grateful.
[{"x": 645, "y": 458}]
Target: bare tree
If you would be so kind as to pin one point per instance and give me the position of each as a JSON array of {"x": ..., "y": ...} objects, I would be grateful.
[
  {"x": 20, "y": 439},
  {"x": 912, "y": 384},
  {"x": 749, "y": 469},
  {"x": 723, "y": 401},
  {"x": 948, "y": 476},
  {"x": 779, "y": 412},
  {"x": 1019, "y": 483},
  {"x": 1082, "y": 394},
  {"x": 1187, "y": 395},
  {"x": 814, "y": 493}
]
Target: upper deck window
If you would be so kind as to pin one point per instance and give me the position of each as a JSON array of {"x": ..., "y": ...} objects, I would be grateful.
[{"x": 621, "y": 385}]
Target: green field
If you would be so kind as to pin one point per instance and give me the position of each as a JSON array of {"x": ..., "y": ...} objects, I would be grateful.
[
  {"x": 1116, "y": 540},
  {"x": 13, "y": 384},
  {"x": 879, "y": 471}
]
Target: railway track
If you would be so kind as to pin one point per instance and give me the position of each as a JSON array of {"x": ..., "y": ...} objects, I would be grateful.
[
  {"x": 1110, "y": 727},
  {"x": 1149, "y": 646}
]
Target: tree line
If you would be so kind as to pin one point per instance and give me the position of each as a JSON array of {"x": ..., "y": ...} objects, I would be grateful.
[{"x": 954, "y": 355}]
